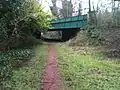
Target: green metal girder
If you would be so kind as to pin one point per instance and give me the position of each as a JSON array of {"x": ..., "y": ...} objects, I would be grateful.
[{"x": 70, "y": 22}]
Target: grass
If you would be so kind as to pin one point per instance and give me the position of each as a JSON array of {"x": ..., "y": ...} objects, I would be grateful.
[
  {"x": 86, "y": 72},
  {"x": 28, "y": 77}
]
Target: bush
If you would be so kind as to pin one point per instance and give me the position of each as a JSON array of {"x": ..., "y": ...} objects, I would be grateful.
[
  {"x": 94, "y": 35},
  {"x": 19, "y": 18},
  {"x": 10, "y": 59}
]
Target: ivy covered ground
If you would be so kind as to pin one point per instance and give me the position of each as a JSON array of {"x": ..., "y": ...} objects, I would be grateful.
[
  {"x": 86, "y": 71},
  {"x": 21, "y": 69}
]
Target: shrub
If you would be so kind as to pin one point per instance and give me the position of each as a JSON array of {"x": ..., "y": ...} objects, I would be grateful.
[
  {"x": 10, "y": 59},
  {"x": 94, "y": 35},
  {"x": 18, "y": 19}
]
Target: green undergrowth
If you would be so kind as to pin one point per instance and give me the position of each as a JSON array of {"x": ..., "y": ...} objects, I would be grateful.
[
  {"x": 86, "y": 72},
  {"x": 24, "y": 71}
]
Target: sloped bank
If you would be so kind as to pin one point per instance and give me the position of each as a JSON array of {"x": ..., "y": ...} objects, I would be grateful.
[{"x": 86, "y": 72}]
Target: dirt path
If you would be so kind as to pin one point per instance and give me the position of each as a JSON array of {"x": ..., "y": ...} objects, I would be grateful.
[{"x": 51, "y": 78}]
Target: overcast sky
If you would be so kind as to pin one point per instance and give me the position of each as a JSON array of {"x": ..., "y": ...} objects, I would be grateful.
[{"x": 47, "y": 3}]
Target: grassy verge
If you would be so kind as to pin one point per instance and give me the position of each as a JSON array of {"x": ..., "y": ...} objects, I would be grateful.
[
  {"x": 85, "y": 72},
  {"x": 28, "y": 76}
]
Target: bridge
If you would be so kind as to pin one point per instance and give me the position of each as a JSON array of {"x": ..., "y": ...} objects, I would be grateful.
[
  {"x": 76, "y": 22},
  {"x": 69, "y": 26}
]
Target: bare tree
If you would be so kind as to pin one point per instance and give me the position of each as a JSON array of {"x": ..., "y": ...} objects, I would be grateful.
[
  {"x": 90, "y": 16},
  {"x": 67, "y": 8},
  {"x": 54, "y": 8},
  {"x": 80, "y": 9}
]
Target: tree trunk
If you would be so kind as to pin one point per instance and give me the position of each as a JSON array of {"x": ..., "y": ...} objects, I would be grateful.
[{"x": 90, "y": 12}]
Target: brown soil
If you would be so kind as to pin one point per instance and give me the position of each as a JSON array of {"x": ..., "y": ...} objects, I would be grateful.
[{"x": 51, "y": 77}]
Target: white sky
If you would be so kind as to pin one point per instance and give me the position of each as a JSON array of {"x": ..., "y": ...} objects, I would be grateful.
[{"x": 47, "y": 3}]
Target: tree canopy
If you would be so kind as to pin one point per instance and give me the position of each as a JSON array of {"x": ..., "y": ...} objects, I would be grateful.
[{"x": 20, "y": 17}]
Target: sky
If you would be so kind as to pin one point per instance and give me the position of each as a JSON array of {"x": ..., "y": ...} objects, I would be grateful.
[
  {"x": 85, "y": 6},
  {"x": 46, "y": 3}
]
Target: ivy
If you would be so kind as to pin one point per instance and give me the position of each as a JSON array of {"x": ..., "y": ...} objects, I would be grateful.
[
  {"x": 94, "y": 35},
  {"x": 10, "y": 59}
]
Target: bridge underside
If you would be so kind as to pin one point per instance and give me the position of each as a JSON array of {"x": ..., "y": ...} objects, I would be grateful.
[
  {"x": 64, "y": 29},
  {"x": 67, "y": 34}
]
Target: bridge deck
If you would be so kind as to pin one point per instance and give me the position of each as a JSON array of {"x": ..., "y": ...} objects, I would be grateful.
[{"x": 70, "y": 22}]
